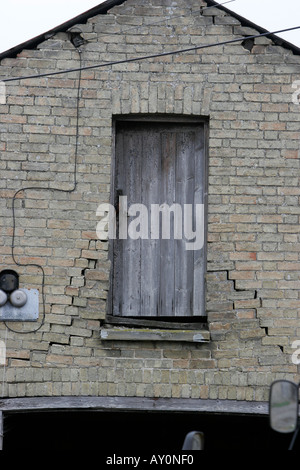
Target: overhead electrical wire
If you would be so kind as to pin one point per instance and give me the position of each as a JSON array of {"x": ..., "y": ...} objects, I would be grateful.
[{"x": 150, "y": 56}]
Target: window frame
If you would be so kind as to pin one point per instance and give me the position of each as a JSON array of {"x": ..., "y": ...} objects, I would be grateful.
[{"x": 174, "y": 322}]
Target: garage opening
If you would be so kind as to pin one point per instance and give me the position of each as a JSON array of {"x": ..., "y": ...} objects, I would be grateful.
[{"x": 115, "y": 431}]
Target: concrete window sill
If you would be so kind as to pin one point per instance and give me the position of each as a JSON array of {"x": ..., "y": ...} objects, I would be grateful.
[{"x": 151, "y": 334}]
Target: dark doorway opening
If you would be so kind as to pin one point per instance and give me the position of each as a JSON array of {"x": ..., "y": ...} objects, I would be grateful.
[{"x": 109, "y": 431}]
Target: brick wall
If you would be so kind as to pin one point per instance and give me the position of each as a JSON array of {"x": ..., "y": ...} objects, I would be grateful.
[{"x": 253, "y": 204}]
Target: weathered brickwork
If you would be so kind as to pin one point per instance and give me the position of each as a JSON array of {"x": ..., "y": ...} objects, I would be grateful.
[{"x": 253, "y": 203}]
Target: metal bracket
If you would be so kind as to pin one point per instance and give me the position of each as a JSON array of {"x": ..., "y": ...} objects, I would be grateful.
[{"x": 29, "y": 311}]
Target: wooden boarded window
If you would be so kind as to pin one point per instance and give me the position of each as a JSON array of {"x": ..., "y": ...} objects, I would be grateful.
[{"x": 158, "y": 163}]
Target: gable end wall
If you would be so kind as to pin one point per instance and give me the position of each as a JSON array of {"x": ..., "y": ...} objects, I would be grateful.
[{"x": 249, "y": 98}]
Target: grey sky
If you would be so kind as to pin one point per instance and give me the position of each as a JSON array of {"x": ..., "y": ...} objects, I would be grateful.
[{"x": 21, "y": 20}]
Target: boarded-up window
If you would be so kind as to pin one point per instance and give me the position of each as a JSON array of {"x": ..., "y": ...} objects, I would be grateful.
[{"x": 159, "y": 185}]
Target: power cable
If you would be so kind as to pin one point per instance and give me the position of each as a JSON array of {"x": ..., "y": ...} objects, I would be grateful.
[
  {"x": 33, "y": 188},
  {"x": 151, "y": 56}
]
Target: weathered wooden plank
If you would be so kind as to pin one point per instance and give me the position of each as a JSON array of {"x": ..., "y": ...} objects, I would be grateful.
[
  {"x": 199, "y": 198},
  {"x": 131, "y": 272},
  {"x": 133, "y": 404},
  {"x": 147, "y": 334},
  {"x": 184, "y": 259},
  {"x": 167, "y": 192},
  {"x": 127, "y": 250},
  {"x": 150, "y": 248}
]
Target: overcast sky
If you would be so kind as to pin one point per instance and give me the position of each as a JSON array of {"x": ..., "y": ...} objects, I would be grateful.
[{"x": 21, "y": 20}]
